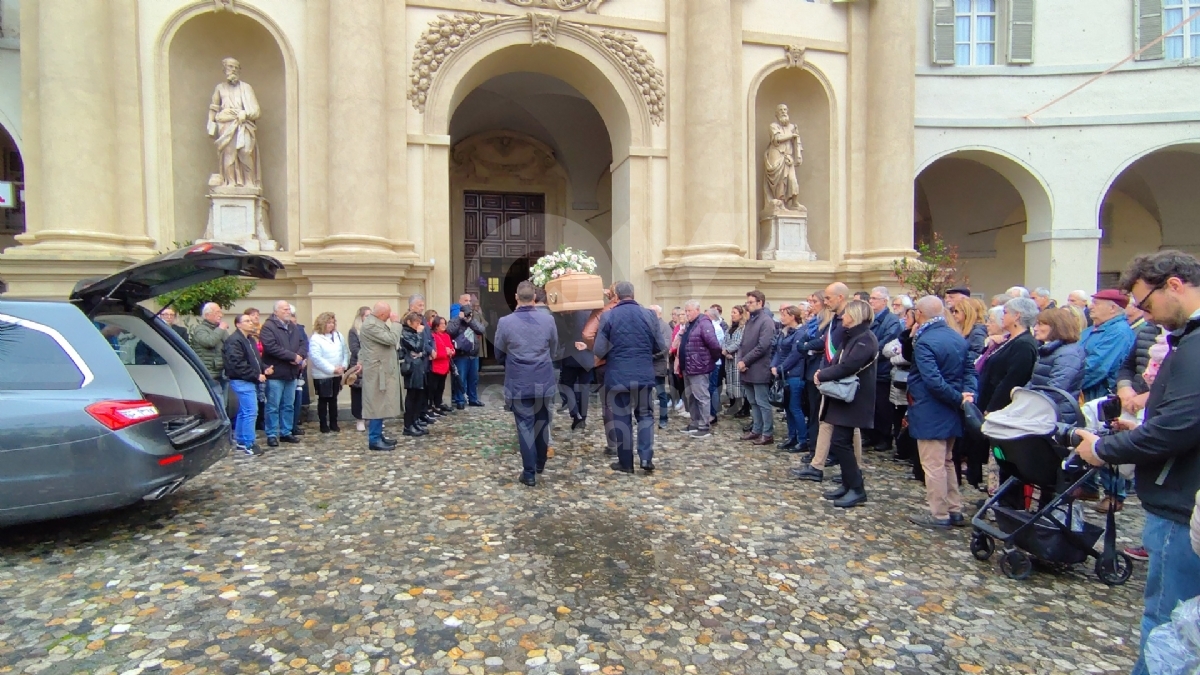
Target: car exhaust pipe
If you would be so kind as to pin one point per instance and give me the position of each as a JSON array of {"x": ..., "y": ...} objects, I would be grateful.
[{"x": 165, "y": 490}]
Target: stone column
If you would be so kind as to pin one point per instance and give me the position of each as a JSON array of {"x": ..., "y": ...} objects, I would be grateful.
[
  {"x": 86, "y": 157},
  {"x": 358, "y": 159},
  {"x": 891, "y": 95},
  {"x": 709, "y": 135}
]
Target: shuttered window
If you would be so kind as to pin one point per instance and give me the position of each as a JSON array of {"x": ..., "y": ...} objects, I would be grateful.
[
  {"x": 1185, "y": 42},
  {"x": 941, "y": 46},
  {"x": 1147, "y": 27},
  {"x": 1020, "y": 31}
]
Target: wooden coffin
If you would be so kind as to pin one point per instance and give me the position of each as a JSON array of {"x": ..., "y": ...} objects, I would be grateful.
[{"x": 575, "y": 291}]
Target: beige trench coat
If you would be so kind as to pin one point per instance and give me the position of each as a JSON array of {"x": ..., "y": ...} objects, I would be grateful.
[{"x": 381, "y": 369}]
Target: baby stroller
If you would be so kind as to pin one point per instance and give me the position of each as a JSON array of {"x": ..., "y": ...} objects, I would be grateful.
[{"x": 1033, "y": 447}]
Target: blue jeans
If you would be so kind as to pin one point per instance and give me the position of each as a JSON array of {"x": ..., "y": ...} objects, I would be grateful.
[
  {"x": 533, "y": 432},
  {"x": 626, "y": 407},
  {"x": 664, "y": 398},
  {"x": 1173, "y": 575},
  {"x": 375, "y": 432},
  {"x": 796, "y": 424},
  {"x": 298, "y": 405},
  {"x": 761, "y": 412},
  {"x": 468, "y": 380},
  {"x": 281, "y": 402},
  {"x": 243, "y": 426},
  {"x": 714, "y": 384}
]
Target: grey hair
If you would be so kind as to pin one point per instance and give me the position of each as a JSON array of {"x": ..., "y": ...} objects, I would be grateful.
[
  {"x": 208, "y": 307},
  {"x": 1001, "y": 298},
  {"x": 905, "y": 301},
  {"x": 1082, "y": 294},
  {"x": 996, "y": 314},
  {"x": 692, "y": 304},
  {"x": 655, "y": 308},
  {"x": 624, "y": 290},
  {"x": 412, "y": 299},
  {"x": 1021, "y": 291},
  {"x": 882, "y": 290},
  {"x": 1026, "y": 310},
  {"x": 1042, "y": 291}
]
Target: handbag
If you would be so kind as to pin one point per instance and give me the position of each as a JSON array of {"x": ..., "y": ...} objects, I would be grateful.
[
  {"x": 973, "y": 422},
  {"x": 351, "y": 376},
  {"x": 844, "y": 389},
  {"x": 777, "y": 393}
]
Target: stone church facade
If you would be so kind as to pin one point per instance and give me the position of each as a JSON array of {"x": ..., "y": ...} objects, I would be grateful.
[{"x": 436, "y": 146}]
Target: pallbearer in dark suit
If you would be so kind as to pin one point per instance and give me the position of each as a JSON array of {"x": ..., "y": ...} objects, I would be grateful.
[
  {"x": 578, "y": 361},
  {"x": 526, "y": 342},
  {"x": 629, "y": 337}
]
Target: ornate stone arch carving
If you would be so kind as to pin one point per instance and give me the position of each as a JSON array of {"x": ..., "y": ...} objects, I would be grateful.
[
  {"x": 450, "y": 32},
  {"x": 485, "y": 157}
]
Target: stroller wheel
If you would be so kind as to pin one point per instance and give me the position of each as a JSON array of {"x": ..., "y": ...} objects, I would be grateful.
[
  {"x": 1116, "y": 571},
  {"x": 1016, "y": 565},
  {"x": 982, "y": 546}
]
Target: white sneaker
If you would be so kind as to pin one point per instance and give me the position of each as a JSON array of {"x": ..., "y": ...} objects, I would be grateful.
[{"x": 361, "y": 426}]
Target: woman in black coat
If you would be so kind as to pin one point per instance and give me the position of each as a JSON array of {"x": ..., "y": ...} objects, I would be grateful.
[
  {"x": 1011, "y": 365},
  {"x": 856, "y": 356}
]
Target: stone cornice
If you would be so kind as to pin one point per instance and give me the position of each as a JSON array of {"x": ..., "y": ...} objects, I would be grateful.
[
  {"x": 592, "y": 6},
  {"x": 504, "y": 9}
]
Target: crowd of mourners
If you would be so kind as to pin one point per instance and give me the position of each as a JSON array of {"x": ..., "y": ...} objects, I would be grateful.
[{"x": 848, "y": 371}]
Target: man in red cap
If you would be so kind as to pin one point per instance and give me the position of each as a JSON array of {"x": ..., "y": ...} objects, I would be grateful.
[{"x": 1107, "y": 343}]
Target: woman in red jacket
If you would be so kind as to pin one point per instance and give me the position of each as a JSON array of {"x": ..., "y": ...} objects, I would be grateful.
[{"x": 443, "y": 348}]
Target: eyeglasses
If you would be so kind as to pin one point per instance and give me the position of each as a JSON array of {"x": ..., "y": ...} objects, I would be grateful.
[{"x": 1144, "y": 303}]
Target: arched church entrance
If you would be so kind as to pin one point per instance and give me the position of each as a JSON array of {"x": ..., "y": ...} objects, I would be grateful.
[
  {"x": 984, "y": 204},
  {"x": 544, "y": 144},
  {"x": 530, "y": 171}
]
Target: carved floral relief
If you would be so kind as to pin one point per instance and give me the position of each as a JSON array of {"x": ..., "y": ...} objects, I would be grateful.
[{"x": 449, "y": 32}]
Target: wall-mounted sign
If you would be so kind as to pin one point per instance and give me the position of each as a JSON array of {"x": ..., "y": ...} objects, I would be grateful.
[{"x": 8, "y": 198}]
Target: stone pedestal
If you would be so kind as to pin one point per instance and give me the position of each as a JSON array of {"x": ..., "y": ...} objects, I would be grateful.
[
  {"x": 240, "y": 215},
  {"x": 785, "y": 234}
]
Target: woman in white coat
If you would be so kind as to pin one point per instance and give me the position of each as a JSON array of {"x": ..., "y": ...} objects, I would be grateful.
[{"x": 329, "y": 356}]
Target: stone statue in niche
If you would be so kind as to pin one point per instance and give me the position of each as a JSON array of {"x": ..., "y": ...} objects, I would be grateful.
[
  {"x": 231, "y": 119},
  {"x": 238, "y": 213},
  {"x": 784, "y": 154},
  {"x": 783, "y": 216}
]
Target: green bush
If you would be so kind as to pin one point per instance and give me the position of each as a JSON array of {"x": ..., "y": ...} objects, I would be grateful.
[{"x": 223, "y": 290}]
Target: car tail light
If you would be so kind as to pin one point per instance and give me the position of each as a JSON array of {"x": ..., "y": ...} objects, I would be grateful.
[
  {"x": 170, "y": 459},
  {"x": 117, "y": 415}
]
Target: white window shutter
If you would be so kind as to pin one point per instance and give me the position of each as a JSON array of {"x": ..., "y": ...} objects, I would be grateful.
[
  {"x": 1020, "y": 31},
  {"x": 1148, "y": 27},
  {"x": 941, "y": 37}
]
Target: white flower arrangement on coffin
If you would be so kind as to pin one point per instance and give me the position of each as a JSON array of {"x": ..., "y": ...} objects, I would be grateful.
[{"x": 562, "y": 262}]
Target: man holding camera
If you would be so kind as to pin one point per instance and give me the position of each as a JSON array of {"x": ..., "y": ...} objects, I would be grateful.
[
  {"x": 466, "y": 330},
  {"x": 1165, "y": 449}
]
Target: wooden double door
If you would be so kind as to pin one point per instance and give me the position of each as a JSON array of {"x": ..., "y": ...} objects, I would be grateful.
[{"x": 505, "y": 233}]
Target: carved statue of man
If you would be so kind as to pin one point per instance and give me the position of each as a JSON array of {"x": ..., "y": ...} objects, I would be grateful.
[
  {"x": 231, "y": 118},
  {"x": 784, "y": 154}
]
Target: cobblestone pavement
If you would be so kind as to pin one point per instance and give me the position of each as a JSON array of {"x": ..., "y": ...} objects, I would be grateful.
[{"x": 325, "y": 557}]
